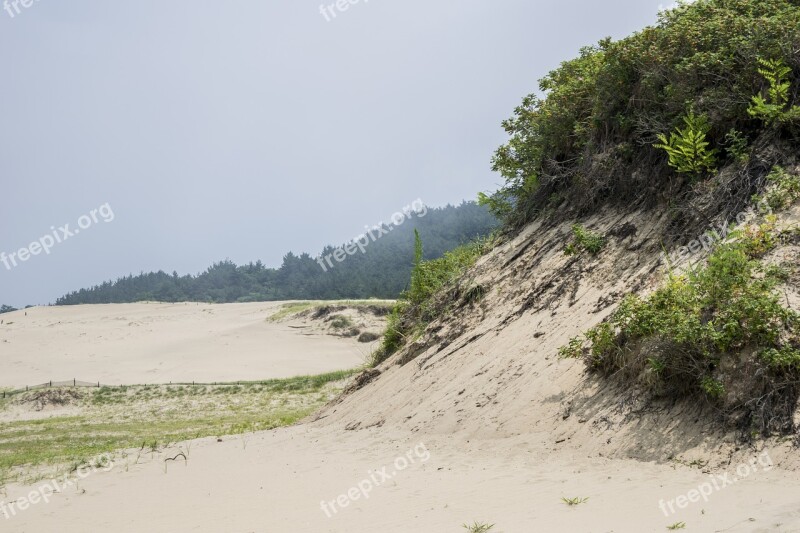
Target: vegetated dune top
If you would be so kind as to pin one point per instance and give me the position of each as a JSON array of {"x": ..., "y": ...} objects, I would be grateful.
[{"x": 159, "y": 343}]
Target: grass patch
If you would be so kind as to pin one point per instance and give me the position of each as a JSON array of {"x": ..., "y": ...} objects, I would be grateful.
[
  {"x": 292, "y": 308},
  {"x": 150, "y": 417}
]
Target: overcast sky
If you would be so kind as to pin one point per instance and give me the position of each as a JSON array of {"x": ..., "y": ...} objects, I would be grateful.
[{"x": 247, "y": 129}]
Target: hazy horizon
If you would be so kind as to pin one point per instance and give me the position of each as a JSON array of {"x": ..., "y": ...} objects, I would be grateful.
[{"x": 248, "y": 131}]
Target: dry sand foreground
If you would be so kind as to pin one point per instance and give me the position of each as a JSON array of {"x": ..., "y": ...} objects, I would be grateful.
[
  {"x": 158, "y": 343},
  {"x": 275, "y": 481}
]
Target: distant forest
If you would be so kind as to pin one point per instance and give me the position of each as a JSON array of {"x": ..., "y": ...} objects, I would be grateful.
[{"x": 383, "y": 271}]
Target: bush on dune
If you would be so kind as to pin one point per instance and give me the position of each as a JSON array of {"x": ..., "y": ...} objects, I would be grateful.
[
  {"x": 590, "y": 137},
  {"x": 720, "y": 331}
]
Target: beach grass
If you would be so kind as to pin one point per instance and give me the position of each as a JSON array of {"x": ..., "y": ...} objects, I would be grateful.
[
  {"x": 292, "y": 308},
  {"x": 146, "y": 417}
]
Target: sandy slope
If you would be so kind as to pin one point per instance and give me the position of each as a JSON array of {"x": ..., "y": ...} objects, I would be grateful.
[{"x": 159, "y": 343}]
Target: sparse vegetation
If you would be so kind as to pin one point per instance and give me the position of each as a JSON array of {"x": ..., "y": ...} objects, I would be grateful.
[
  {"x": 368, "y": 336},
  {"x": 341, "y": 322},
  {"x": 294, "y": 308},
  {"x": 431, "y": 292},
  {"x": 474, "y": 294},
  {"x": 720, "y": 330},
  {"x": 150, "y": 417},
  {"x": 783, "y": 189},
  {"x": 737, "y": 146},
  {"x": 676, "y": 526}
]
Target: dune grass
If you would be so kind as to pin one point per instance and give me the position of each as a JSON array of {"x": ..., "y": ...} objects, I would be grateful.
[
  {"x": 148, "y": 417},
  {"x": 292, "y": 308},
  {"x": 478, "y": 527}
]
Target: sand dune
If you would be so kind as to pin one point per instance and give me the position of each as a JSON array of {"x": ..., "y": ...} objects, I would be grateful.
[
  {"x": 161, "y": 343},
  {"x": 510, "y": 428}
]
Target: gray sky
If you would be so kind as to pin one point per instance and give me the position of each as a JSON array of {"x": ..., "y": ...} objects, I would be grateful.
[{"x": 246, "y": 129}]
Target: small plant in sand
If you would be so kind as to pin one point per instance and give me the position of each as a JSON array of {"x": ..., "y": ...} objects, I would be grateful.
[
  {"x": 783, "y": 190},
  {"x": 574, "y": 501},
  {"x": 584, "y": 240},
  {"x": 478, "y": 527},
  {"x": 676, "y": 526},
  {"x": 475, "y": 294}
]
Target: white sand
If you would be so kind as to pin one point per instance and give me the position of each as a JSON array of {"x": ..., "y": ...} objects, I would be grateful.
[
  {"x": 275, "y": 482},
  {"x": 161, "y": 343}
]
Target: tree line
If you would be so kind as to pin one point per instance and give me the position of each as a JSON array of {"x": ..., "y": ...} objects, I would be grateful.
[{"x": 382, "y": 271}]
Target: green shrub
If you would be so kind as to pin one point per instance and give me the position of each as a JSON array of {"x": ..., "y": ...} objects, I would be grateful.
[
  {"x": 500, "y": 204},
  {"x": 395, "y": 335},
  {"x": 688, "y": 335},
  {"x": 688, "y": 147},
  {"x": 713, "y": 388},
  {"x": 776, "y": 108},
  {"x": 588, "y": 134},
  {"x": 783, "y": 358},
  {"x": 736, "y": 146},
  {"x": 756, "y": 241}
]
